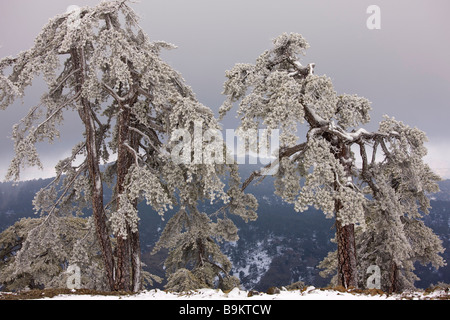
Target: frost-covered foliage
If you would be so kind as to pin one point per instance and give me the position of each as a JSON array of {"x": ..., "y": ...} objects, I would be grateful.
[
  {"x": 27, "y": 263},
  {"x": 396, "y": 237},
  {"x": 377, "y": 206},
  {"x": 278, "y": 92},
  {"x": 195, "y": 260},
  {"x": 99, "y": 63}
]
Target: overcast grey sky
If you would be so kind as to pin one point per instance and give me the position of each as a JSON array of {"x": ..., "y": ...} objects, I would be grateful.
[{"x": 403, "y": 68}]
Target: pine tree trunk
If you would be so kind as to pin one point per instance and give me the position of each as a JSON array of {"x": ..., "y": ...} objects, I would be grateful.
[
  {"x": 393, "y": 278},
  {"x": 123, "y": 265},
  {"x": 94, "y": 169},
  {"x": 136, "y": 262},
  {"x": 123, "y": 164},
  {"x": 347, "y": 267},
  {"x": 128, "y": 275},
  {"x": 99, "y": 213},
  {"x": 347, "y": 263}
]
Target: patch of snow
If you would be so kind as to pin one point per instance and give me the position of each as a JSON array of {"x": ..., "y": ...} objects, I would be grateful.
[
  {"x": 73, "y": 21},
  {"x": 311, "y": 293},
  {"x": 98, "y": 184},
  {"x": 10, "y": 212},
  {"x": 72, "y": 8},
  {"x": 267, "y": 200},
  {"x": 256, "y": 264}
]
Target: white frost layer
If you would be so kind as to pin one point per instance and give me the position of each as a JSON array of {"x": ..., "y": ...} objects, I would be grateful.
[
  {"x": 73, "y": 21},
  {"x": 73, "y": 8}
]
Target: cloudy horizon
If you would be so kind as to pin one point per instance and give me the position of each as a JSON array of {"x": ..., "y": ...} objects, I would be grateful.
[{"x": 402, "y": 68}]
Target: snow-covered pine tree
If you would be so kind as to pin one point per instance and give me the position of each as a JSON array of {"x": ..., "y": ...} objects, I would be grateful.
[
  {"x": 398, "y": 183},
  {"x": 98, "y": 63},
  {"x": 195, "y": 260},
  {"x": 278, "y": 92},
  {"x": 87, "y": 59}
]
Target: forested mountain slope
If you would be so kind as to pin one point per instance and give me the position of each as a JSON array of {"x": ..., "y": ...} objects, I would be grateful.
[{"x": 281, "y": 247}]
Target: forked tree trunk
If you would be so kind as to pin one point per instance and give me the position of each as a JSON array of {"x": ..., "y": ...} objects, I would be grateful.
[{"x": 93, "y": 161}]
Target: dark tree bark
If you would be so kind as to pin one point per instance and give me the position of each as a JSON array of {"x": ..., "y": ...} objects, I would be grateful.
[
  {"x": 134, "y": 237},
  {"x": 347, "y": 266},
  {"x": 345, "y": 234},
  {"x": 93, "y": 162},
  {"x": 393, "y": 278},
  {"x": 123, "y": 163},
  {"x": 136, "y": 262},
  {"x": 128, "y": 273}
]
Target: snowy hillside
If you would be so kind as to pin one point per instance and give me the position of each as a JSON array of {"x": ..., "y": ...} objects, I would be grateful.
[{"x": 280, "y": 248}]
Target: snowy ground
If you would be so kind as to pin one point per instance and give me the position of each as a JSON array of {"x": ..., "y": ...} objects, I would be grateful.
[
  {"x": 310, "y": 293},
  {"x": 215, "y": 304}
]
